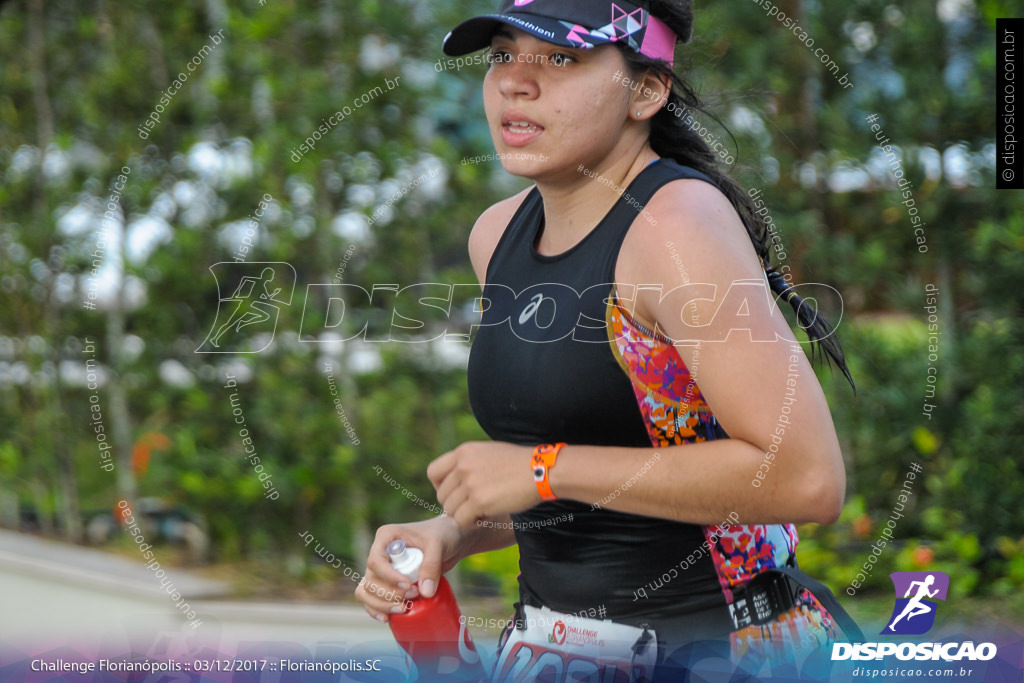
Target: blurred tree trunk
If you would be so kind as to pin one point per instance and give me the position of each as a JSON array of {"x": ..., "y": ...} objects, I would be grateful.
[
  {"x": 809, "y": 91},
  {"x": 68, "y": 513},
  {"x": 40, "y": 494},
  {"x": 40, "y": 95},
  {"x": 358, "y": 499},
  {"x": 120, "y": 416}
]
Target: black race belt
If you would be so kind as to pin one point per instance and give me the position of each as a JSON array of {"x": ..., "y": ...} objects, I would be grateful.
[{"x": 758, "y": 602}]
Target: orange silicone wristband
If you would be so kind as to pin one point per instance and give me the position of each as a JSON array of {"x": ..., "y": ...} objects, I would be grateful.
[{"x": 543, "y": 460}]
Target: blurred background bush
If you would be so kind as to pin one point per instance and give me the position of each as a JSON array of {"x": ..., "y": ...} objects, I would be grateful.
[{"x": 78, "y": 81}]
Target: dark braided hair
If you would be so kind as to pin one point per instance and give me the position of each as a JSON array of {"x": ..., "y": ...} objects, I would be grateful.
[{"x": 671, "y": 138}]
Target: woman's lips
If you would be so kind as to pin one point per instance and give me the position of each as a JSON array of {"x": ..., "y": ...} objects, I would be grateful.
[{"x": 518, "y": 131}]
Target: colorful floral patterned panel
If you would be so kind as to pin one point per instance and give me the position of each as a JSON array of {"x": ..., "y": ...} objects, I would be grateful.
[{"x": 675, "y": 413}]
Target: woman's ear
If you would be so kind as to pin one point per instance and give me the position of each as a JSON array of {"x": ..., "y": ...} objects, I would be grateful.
[{"x": 650, "y": 96}]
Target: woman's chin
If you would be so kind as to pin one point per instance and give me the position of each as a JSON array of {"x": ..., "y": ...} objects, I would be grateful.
[{"x": 532, "y": 167}]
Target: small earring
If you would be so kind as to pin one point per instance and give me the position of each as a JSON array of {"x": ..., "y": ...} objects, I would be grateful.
[{"x": 639, "y": 114}]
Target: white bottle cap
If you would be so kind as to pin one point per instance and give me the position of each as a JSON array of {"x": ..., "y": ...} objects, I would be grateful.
[{"x": 405, "y": 560}]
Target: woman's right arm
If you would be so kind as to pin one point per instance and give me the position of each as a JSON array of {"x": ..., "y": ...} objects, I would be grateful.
[{"x": 383, "y": 591}]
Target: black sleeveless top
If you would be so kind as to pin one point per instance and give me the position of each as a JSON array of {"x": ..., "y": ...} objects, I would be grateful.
[{"x": 542, "y": 370}]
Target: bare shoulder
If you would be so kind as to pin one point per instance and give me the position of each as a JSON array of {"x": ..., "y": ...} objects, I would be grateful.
[
  {"x": 689, "y": 234},
  {"x": 690, "y": 231},
  {"x": 488, "y": 231}
]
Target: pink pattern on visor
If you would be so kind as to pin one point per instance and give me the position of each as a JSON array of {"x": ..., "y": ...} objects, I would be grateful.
[{"x": 659, "y": 41}]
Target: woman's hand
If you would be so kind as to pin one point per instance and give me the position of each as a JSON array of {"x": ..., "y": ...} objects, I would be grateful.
[
  {"x": 384, "y": 591},
  {"x": 484, "y": 480}
]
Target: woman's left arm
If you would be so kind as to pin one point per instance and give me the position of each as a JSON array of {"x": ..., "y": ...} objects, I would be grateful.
[{"x": 690, "y": 268}]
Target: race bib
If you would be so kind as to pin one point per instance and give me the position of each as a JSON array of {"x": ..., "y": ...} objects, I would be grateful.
[{"x": 560, "y": 647}]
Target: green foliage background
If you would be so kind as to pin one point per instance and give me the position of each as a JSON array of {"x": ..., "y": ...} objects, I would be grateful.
[{"x": 77, "y": 79}]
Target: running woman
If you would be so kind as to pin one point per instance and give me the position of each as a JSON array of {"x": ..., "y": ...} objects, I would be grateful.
[{"x": 633, "y": 369}]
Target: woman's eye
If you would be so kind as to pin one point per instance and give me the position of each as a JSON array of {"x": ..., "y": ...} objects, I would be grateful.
[
  {"x": 498, "y": 57},
  {"x": 562, "y": 59}
]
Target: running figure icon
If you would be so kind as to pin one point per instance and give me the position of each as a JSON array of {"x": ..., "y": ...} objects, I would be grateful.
[
  {"x": 259, "y": 292},
  {"x": 916, "y": 607},
  {"x": 917, "y": 601},
  {"x": 249, "y": 311}
]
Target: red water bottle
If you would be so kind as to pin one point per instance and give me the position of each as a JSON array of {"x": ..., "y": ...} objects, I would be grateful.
[{"x": 432, "y": 630}]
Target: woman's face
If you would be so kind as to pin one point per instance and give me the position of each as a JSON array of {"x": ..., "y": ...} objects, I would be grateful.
[{"x": 552, "y": 108}]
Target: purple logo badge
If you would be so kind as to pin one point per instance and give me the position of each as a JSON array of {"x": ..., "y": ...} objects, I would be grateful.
[{"x": 916, "y": 592}]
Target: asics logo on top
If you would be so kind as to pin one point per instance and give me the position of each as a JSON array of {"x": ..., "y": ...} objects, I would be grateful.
[{"x": 531, "y": 309}]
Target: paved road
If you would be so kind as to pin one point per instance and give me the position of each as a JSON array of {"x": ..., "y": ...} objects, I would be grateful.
[
  {"x": 65, "y": 602},
  {"x": 55, "y": 593}
]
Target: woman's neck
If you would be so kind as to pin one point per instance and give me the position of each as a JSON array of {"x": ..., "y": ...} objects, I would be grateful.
[{"x": 573, "y": 208}]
